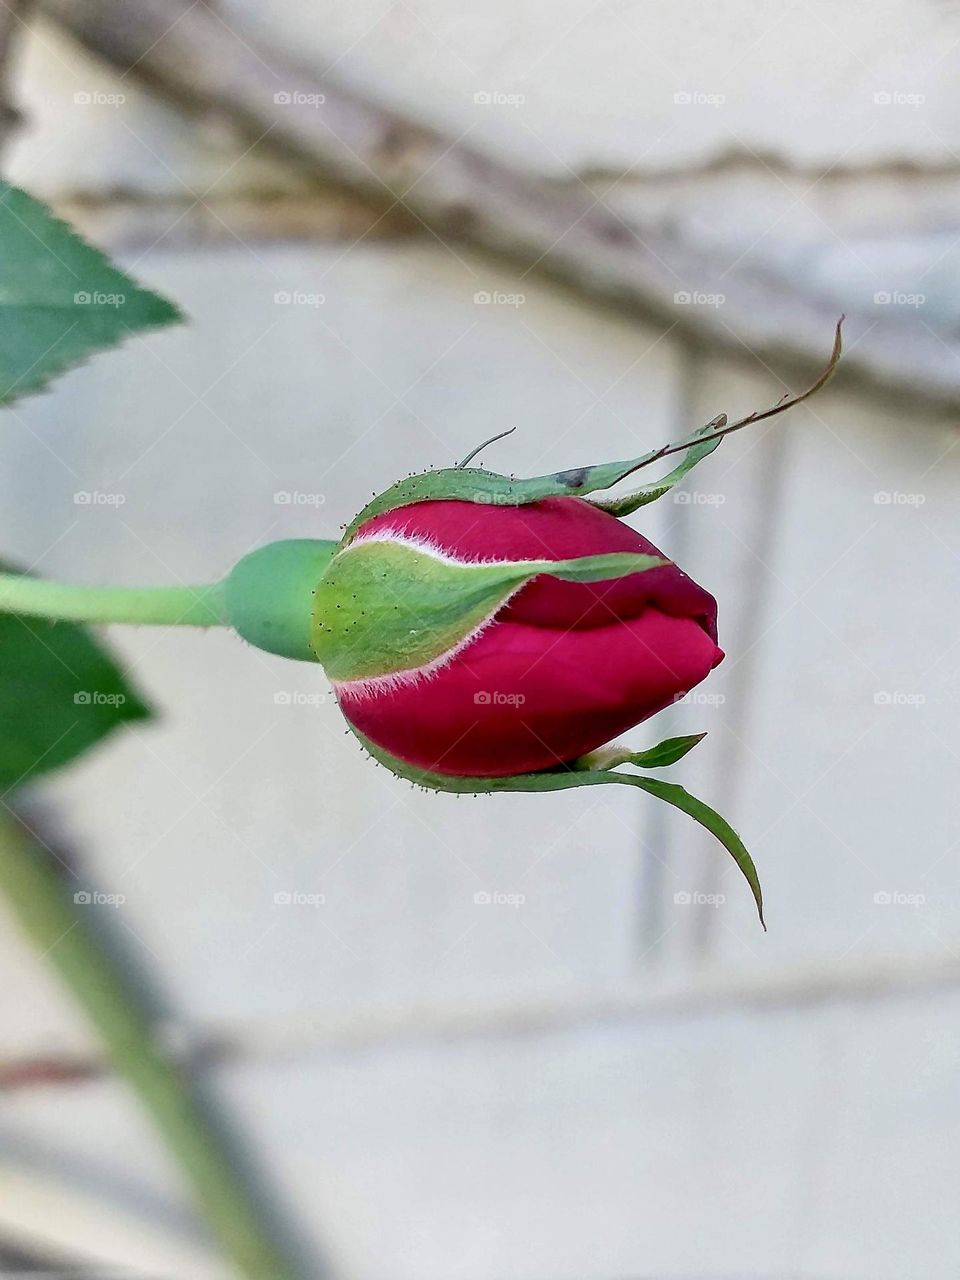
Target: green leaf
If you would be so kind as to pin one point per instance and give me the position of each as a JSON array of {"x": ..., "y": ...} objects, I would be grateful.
[
  {"x": 385, "y": 607},
  {"x": 565, "y": 778},
  {"x": 60, "y": 693},
  {"x": 61, "y": 300},
  {"x": 629, "y": 502}
]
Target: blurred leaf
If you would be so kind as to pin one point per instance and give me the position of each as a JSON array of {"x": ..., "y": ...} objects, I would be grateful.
[
  {"x": 61, "y": 300},
  {"x": 60, "y": 693}
]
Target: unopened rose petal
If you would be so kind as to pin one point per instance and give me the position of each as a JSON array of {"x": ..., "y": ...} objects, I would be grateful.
[
  {"x": 555, "y": 529},
  {"x": 522, "y": 698}
]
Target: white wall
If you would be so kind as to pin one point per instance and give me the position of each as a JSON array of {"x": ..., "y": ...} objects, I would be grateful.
[{"x": 601, "y": 1082}]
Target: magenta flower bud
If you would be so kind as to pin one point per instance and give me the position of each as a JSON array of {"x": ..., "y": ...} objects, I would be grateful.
[
  {"x": 560, "y": 668},
  {"x": 485, "y": 633}
]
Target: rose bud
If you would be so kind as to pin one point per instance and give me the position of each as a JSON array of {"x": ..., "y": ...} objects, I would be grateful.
[
  {"x": 487, "y": 640},
  {"x": 483, "y": 633},
  {"x": 487, "y": 634}
]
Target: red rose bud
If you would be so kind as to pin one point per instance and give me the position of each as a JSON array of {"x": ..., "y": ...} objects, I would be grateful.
[{"x": 485, "y": 640}]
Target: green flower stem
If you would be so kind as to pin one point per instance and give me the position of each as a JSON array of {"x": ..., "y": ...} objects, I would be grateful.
[
  {"x": 166, "y": 606},
  {"x": 42, "y": 902}
]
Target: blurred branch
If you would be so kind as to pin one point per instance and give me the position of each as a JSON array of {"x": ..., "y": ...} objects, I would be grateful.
[
  {"x": 36, "y": 893},
  {"x": 304, "y": 1033},
  {"x": 189, "y": 54}
]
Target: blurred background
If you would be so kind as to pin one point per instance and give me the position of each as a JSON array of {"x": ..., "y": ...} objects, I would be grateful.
[{"x": 511, "y": 1038}]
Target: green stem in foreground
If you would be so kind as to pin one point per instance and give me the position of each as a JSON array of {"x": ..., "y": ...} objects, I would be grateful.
[
  {"x": 166, "y": 606},
  {"x": 42, "y": 903}
]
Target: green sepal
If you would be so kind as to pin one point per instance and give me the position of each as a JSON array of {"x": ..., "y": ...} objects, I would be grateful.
[
  {"x": 630, "y": 502},
  {"x": 269, "y": 594},
  {"x": 475, "y": 484},
  {"x": 661, "y": 756},
  {"x": 385, "y": 607},
  {"x": 564, "y": 778}
]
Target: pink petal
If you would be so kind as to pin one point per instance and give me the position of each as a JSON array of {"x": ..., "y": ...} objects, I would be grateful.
[
  {"x": 556, "y": 529},
  {"x": 522, "y": 698}
]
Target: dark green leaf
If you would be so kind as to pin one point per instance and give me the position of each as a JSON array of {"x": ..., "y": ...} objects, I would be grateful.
[
  {"x": 60, "y": 299},
  {"x": 60, "y": 693}
]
